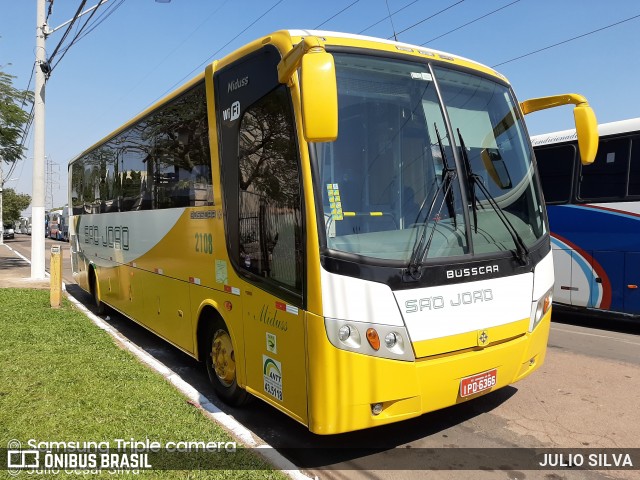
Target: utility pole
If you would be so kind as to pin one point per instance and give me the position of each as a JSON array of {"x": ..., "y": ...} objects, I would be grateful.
[
  {"x": 38, "y": 194},
  {"x": 37, "y": 199}
]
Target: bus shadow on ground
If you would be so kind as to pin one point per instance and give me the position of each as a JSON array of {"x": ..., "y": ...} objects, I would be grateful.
[
  {"x": 290, "y": 438},
  {"x": 598, "y": 320}
]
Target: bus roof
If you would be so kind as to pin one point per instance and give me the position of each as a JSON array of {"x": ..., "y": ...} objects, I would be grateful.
[
  {"x": 354, "y": 38},
  {"x": 604, "y": 129}
]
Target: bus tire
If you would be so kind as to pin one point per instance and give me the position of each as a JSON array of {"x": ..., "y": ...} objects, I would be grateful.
[
  {"x": 221, "y": 365},
  {"x": 93, "y": 286}
]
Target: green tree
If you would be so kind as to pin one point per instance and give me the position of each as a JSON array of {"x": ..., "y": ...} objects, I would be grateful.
[
  {"x": 12, "y": 118},
  {"x": 13, "y": 204}
]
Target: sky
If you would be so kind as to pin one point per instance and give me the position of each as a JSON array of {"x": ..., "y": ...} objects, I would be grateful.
[{"x": 145, "y": 49}]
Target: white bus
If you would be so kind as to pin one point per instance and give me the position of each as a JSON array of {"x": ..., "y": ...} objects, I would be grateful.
[{"x": 594, "y": 214}]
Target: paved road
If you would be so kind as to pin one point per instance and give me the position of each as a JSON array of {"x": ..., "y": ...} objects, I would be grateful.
[{"x": 585, "y": 395}]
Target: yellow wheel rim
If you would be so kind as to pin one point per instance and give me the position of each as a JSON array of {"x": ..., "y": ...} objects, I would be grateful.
[{"x": 223, "y": 358}]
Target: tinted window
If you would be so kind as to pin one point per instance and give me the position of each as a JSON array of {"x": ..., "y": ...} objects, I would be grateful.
[
  {"x": 270, "y": 213},
  {"x": 555, "y": 165},
  {"x": 607, "y": 176},
  {"x": 162, "y": 161},
  {"x": 634, "y": 166}
]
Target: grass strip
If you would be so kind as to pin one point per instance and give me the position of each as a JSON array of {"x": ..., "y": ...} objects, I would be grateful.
[{"x": 62, "y": 379}]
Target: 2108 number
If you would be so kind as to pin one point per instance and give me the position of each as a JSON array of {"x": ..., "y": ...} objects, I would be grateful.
[{"x": 204, "y": 243}]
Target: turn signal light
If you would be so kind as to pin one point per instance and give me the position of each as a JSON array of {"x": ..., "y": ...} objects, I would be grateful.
[{"x": 373, "y": 339}]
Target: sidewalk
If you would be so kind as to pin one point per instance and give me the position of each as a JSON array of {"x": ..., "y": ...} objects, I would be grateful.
[{"x": 15, "y": 270}]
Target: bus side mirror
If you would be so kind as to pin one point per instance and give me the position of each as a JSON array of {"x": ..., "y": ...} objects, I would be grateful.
[
  {"x": 585, "y": 118},
  {"x": 587, "y": 132},
  {"x": 319, "y": 97},
  {"x": 317, "y": 85}
]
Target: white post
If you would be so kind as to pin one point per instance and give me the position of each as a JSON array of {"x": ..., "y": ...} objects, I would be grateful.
[{"x": 37, "y": 200}]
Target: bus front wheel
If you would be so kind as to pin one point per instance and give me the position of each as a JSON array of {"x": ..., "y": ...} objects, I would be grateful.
[{"x": 221, "y": 365}]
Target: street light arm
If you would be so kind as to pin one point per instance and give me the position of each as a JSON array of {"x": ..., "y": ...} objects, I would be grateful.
[{"x": 49, "y": 31}]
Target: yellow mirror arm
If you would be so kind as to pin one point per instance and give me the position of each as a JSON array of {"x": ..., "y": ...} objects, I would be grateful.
[
  {"x": 291, "y": 61},
  {"x": 586, "y": 123},
  {"x": 535, "y": 104}
]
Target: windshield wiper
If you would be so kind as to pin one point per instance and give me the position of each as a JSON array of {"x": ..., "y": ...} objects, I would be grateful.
[
  {"x": 447, "y": 177},
  {"x": 422, "y": 244},
  {"x": 522, "y": 252}
]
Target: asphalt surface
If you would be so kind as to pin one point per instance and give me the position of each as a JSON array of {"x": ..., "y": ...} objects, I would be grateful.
[{"x": 15, "y": 271}]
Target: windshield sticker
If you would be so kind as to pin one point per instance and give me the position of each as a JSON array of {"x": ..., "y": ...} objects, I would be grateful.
[
  {"x": 335, "y": 202},
  {"x": 421, "y": 76}
]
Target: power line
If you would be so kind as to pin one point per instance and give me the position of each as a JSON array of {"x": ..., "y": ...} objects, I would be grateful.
[
  {"x": 384, "y": 18},
  {"x": 99, "y": 20},
  {"x": 219, "y": 50},
  {"x": 28, "y": 89},
  {"x": 335, "y": 15},
  {"x": 565, "y": 41},
  {"x": 469, "y": 23},
  {"x": 74, "y": 39},
  {"x": 176, "y": 48},
  {"x": 393, "y": 27},
  {"x": 49, "y": 10},
  {"x": 428, "y": 18},
  {"x": 66, "y": 32},
  {"x": 79, "y": 36}
]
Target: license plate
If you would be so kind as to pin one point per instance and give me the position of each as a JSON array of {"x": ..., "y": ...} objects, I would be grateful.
[{"x": 478, "y": 383}]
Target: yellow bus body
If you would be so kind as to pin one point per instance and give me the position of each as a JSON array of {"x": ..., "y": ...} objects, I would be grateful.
[{"x": 174, "y": 288}]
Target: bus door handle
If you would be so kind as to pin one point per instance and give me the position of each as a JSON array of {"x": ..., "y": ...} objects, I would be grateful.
[{"x": 632, "y": 286}]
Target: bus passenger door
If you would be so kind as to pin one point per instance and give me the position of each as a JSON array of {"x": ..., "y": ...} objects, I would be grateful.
[
  {"x": 262, "y": 188},
  {"x": 581, "y": 284},
  {"x": 608, "y": 277},
  {"x": 562, "y": 270},
  {"x": 276, "y": 351}
]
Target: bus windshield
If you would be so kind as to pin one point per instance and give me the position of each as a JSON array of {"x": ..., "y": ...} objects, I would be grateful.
[{"x": 397, "y": 177}]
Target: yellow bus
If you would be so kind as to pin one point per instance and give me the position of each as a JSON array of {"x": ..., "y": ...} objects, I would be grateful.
[{"x": 348, "y": 228}]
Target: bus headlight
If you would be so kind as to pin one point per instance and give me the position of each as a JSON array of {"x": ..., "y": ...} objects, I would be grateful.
[
  {"x": 390, "y": 340},
  {"x": 542, "y": 307},
  {"x": 386, "y": 341},
  {"x": 344, "y": 333}
]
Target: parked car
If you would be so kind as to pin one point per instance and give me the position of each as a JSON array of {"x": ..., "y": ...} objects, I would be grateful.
[{"x": 8, "y": 232}]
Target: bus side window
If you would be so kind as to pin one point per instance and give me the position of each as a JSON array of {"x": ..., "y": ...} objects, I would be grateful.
[
  {"x": 607, "y": 176},
  {"x": 556, "y": 165},
  {"x": 270, "y": 212},
  {"x": 634, "y": 166}
]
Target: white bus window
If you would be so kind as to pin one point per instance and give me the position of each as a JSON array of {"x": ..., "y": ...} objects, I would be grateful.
[
  {"x": 634, "y": 166},
  {"x": 607, "y": 176},
  {"x": 556, "y": 165}
]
